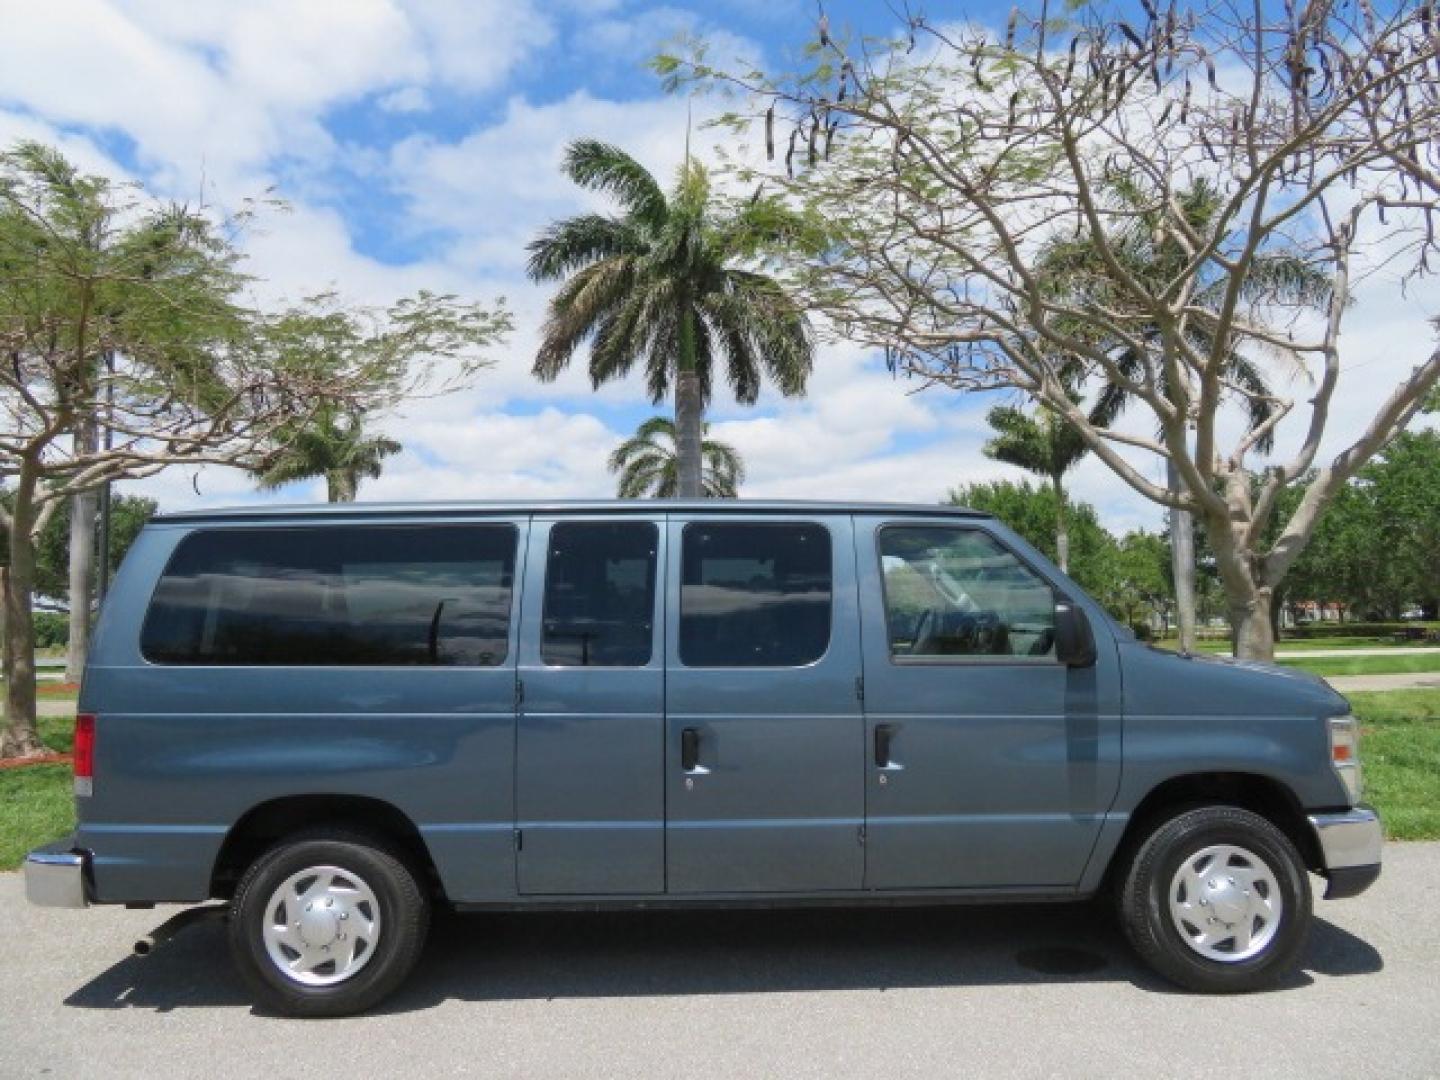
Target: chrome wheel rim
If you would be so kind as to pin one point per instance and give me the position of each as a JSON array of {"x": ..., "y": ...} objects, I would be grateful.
[
  {"x": 1226, "y": 903},
  {"x": 321, "y": 926}
]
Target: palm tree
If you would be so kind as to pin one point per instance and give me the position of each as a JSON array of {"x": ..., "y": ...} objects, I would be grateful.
[
  {"x": 664, "y": 283},
  {"x": 648, "y": 464},
  {"x": 1151, "y": 254},
  {"x": 1043, "y": 444},
  {"x": 335, "y": 447}
]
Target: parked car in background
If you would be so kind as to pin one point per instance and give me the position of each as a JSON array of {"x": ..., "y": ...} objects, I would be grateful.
[{"x": 335, "y": 718}]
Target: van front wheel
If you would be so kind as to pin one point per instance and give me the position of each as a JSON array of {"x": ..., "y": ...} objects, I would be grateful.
[
  {"x": 1217, "y": 900},
  {"x": 327, "y": 924}
]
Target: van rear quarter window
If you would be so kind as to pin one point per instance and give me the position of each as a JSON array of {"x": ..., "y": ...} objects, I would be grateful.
[{"x": 390, "y": 595}]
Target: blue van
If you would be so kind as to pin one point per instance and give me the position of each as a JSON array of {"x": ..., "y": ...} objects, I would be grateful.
[{"x": 336, "y": 717}]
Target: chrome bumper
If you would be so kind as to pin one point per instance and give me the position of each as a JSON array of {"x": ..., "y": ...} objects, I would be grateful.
[
  {"x": 56, "y": 876},
  {"x": 1350, "y": 843}
]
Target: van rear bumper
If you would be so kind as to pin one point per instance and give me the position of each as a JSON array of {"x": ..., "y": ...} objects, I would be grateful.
[
  {"x": 58, "y": 875},
  {"x": 1350, "y": 843}
]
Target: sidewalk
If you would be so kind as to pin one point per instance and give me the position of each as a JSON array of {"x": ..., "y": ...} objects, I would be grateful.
[{"x": 1403, "y": 680}]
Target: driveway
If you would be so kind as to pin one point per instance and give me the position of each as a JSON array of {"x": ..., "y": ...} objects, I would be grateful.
[{"x": 1040, "y": 991}]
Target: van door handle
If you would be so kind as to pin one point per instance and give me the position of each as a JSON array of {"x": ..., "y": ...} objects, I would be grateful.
[
  {"x": 689, "y": 749},
  {"x": 883, "y": 734}
]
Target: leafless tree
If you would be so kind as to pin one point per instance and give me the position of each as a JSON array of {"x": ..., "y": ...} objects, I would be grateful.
[{"x": 924, "y": 180}]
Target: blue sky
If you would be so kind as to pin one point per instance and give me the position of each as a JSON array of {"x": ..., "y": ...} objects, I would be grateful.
[{"x": 417, "y": 144}]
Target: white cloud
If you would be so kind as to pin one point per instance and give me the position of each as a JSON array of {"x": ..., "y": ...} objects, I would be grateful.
[
  {"x": 408, "y": 99},
  {"x": 477, "y": 44},
  {"x": 240, "y": 91}
]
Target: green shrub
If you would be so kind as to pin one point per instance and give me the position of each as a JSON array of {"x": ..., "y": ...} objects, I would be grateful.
[
  {"x": 52, "y": 628},
  {"x": 1351, "y": 629}
]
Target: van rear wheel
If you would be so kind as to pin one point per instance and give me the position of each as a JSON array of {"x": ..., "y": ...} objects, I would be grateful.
[
  {"x": 327, "y": 924},
  {"x": 1217, "y": 900}
]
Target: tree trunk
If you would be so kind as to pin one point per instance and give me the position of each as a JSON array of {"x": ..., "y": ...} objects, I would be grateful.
[
  {"x": 1062, "y": 527},
  {"x": 20, "y": 738},
  {"x": 340, "y": 486},
  {"x": 689, "y": 412},
  {"x": 7, "y": 663},
  {"x": 1182, "y": 566},
  {"x": 1254, "y": 633}
]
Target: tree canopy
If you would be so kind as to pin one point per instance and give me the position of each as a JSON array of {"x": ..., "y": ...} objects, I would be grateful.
[
  {"x": 670, "y": 282},
  {"x": 648, "y": 466},
  {"x": 129, "y": 314}
]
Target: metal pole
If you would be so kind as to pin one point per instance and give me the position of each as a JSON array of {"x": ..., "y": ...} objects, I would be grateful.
[
  {"x": 102, "y": 585},
  {"x": 103, "y": 554}
]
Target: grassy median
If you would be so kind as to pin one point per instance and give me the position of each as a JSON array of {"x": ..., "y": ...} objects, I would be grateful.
[{"x": 1400, "y": 747}]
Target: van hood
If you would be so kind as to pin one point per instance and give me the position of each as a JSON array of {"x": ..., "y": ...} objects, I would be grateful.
[
  {"x": 1263, "y": 666},
  {"x": 1160, "y": 681}
]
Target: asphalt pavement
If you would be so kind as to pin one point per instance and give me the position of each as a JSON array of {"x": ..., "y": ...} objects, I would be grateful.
[{"x": 901, "y": 992}]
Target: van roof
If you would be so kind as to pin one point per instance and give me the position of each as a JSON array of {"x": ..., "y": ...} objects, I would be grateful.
[{"x": 364, "y": 510}]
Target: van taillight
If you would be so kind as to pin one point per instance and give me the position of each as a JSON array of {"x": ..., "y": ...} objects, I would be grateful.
[{"x": 84, "y": 753}]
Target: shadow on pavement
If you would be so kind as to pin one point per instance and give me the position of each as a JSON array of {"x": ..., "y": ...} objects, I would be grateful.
[{"x": 549, "y": 956}]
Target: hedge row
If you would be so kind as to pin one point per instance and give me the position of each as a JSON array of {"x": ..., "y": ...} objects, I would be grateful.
[{"x": 1353, "y": 629}]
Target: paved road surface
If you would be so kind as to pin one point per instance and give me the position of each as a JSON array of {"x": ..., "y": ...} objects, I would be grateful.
[
  {"x": 1398, "y": 680},
  {"x": 1042, "y": 991}
]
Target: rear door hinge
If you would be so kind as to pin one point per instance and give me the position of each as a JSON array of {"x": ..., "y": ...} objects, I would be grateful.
[
  {"x": 860, "y": 687},
  {"x": 519, "y": 693},
  {"x": 860, "y": 835},
  {"x": 519, "y": 839}
]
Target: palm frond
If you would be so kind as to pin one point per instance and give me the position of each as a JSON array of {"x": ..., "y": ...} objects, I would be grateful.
[
  {"x": 648, "y": 464},
  {"x": 578, "y": 309},
  {"x": 573, "y": 243},
  {"x": 601, "y": 166}
]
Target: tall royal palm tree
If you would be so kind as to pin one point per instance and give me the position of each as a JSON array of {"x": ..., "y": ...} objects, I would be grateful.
[
  {"x": 1151, "y": 254},
  {"x": 668, "y": 282},
  {"x": 648, "y": 464},
  {"x": 1043, "y": 444},
  {"x": 332, "y": 446}
]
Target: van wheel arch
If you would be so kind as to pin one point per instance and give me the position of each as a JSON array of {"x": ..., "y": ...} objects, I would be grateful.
[
  {"x": 1264, "y": 795},
  {"x": 260, "y": 827}
]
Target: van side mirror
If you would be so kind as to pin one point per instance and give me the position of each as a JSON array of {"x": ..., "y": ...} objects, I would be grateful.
[{"x": 1074, "y": 640}]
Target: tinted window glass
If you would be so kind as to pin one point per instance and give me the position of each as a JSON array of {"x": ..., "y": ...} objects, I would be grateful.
[
  {"x": 599, "y": 595},
  {"x": 754, "y": 595},
  {"x": 958, "y": 592},
  {"x": 339, "y": 595}
]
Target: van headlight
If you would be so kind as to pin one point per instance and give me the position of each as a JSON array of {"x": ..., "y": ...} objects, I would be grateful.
[{"x": 1345, "y": 754}]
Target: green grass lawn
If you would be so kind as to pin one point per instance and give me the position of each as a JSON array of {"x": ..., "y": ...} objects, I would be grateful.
[
  {"x": 1300, "y": 645},
  {"x": 35, "y": 802},
  {"x": 1364, "y": 665},
  {"x": 1400, "y": 747}
]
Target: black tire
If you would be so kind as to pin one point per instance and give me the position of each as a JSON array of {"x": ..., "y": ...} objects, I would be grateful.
[
  {"x": 1145, "y": 903},
  {"x": 404, "y": 922}
]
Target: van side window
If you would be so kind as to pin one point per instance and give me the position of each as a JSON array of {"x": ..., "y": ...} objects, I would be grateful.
[
  {"x": 599, "y": 595},
  {"x": 342, "y": 595},
  {"x": 755, "y": 595},
  {"x": 959, "y": 592}
]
